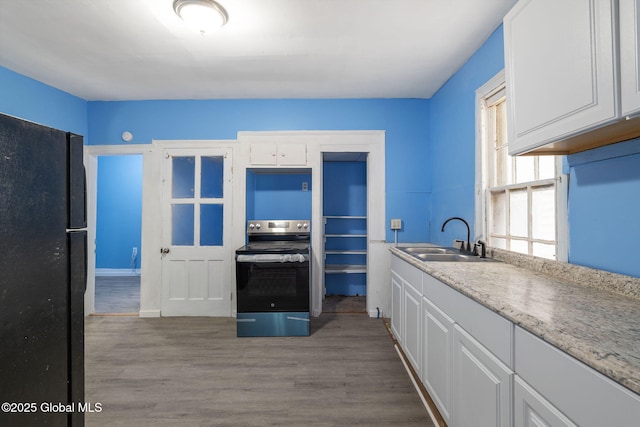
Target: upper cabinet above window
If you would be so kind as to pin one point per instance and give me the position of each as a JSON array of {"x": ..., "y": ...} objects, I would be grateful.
[{"x": 572, "y": 75}]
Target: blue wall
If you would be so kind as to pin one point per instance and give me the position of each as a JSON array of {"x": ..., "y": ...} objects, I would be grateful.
[
  {"x": 31, "y": 100},
  {"x": 345, "y": 194},
  {"x": 119, "y": 217},
  {"x": 604, "y": 193},
  {"x": 430, "y": 150},
  {"x": 452, "y": 141},
  {"x": 345, "y": 188},
  {"x": 604, "y": 208},
  {"x": 404, "y": 120},
  {"x": 278, "y": 196}
]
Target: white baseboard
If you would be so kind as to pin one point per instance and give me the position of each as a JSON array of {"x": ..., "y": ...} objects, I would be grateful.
[
  {"x": 103, "y": 272},
  {"x": 149, "y": 313},
  {"x": 374, "y": 313}
]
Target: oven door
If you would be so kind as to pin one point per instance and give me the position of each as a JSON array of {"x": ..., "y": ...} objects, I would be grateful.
[{"x": 268, "y": 286}]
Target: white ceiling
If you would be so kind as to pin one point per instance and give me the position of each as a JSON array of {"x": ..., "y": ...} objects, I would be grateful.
[{"x": 139, "y": 49}]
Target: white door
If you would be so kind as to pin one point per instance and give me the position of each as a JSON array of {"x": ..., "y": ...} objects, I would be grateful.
[{"x": 196, "y": 259}]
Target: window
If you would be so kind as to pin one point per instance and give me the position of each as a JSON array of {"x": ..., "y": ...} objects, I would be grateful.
[{"x": 518, "y": 197}]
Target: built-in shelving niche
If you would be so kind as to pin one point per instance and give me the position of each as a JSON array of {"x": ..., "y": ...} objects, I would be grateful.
[{"x": 345, "y": 223}]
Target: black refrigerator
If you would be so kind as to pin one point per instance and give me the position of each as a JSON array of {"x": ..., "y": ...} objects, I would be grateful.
[{"x": 42, "y": 275}]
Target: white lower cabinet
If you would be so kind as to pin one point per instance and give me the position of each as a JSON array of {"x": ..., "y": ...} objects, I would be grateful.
[
  {"x": 396, "y": 306},
  {"x": 583, "y": 395},
  {"x": 530, "y": 409},
  {"x": 437, "y": 355},
  {"x": 482, "y": 371},
  {"x": 481, "y": 384},
  {"x": 412, "y": 326}
]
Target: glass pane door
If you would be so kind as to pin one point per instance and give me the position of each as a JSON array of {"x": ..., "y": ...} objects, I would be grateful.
[{"x": 197, "y": 209}]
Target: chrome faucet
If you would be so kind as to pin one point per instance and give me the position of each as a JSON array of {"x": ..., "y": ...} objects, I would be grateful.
[{"x": 468, "y": 232}]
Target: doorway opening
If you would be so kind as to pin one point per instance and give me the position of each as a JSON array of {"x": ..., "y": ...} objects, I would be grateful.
[
  {"x": 344, "y": 208},
  {"x": 118, "y": 234}
]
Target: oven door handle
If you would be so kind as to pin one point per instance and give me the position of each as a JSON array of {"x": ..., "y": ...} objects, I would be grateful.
[{"x": 271, "y": 258}]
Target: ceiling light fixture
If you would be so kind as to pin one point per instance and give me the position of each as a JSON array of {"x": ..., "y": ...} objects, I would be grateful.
[{"x": 202, "y": 15}]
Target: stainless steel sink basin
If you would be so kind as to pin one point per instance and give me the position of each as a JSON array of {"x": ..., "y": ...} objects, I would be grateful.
[
  {"x": 429, "y": 250},
  {"x": 440, "y": 254},
  {"x": 443, "y": 257}
]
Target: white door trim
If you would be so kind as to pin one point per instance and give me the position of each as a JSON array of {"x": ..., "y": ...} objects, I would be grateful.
[
  {"x": 91, "y": 154},
  {"x": 319, "y": 141}
]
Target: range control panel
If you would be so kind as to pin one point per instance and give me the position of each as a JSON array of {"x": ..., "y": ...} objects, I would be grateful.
[{"x": 278, "y": 226}]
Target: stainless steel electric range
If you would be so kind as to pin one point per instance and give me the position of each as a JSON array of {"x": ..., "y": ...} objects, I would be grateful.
[{"x": 273, "y": 279}]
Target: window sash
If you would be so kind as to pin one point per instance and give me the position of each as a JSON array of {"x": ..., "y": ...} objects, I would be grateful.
[
  {"x": 508, "y": 236},
  {"x": 499, "y": 174}
]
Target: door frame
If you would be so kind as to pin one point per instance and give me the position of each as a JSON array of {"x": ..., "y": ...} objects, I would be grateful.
[
  {"x": 378, "y": 264},
  {"x": 371, "y": 142},
  {"x": 91, "y": 154}
]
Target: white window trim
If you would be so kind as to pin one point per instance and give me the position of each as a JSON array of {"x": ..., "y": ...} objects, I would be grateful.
[{"x": 562, "y": 187}]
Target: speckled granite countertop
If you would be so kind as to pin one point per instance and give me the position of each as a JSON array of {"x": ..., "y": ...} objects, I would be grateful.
[{"x": 568, "y": 306}]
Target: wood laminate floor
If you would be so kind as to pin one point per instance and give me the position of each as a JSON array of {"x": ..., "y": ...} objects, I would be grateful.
[
  {"x": 117, "y": 294},
  {"x": 121, "y": 294},
  {"x": 196, "y": 372},
  {"x": 344, "y": 304}
]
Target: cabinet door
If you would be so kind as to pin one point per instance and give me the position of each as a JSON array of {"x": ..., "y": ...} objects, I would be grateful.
[
  {"x": 292, "y": 154},
  {"x": 584, "y": 395},
  {"x": 437, "y": 350},
  {"x": 412, "y": 331},
  {"x": 481, "y": 385},
  {"x": 263, "y": 154},
  {"x": 629, "y": 56},
  {"x": 396, "y": 306},
  {"x": 533, "y": 410},
  {"x": 560, "y": 70}
]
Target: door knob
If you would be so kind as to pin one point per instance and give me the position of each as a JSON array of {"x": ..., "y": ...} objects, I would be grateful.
[{"x": 164, "y": 251}]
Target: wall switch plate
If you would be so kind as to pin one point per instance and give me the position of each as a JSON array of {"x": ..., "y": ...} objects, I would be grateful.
[{"x": 396, "y": 224}]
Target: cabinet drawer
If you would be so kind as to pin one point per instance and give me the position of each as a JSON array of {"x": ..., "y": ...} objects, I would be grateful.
[
  {"x": 584, "y": 395},
  {"x": 492, "y": 330}
]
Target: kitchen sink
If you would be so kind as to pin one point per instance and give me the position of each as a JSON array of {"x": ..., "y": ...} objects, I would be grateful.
[
  {"x": 418, "y": 250},
  {"x": 449, "y": 257},
  {"x": 441, "y": 254}
]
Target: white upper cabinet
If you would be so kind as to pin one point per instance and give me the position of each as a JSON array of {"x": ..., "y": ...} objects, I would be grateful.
[
  {"x": 278, "y": 154},
  {"x": 562, "y": 64},
  {"x": 629, "y": 56}
]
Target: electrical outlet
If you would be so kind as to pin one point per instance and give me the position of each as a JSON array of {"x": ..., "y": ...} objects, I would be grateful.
[
  {"x": 396, "y": 224},
  {"x": 305, "y": 186}
]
